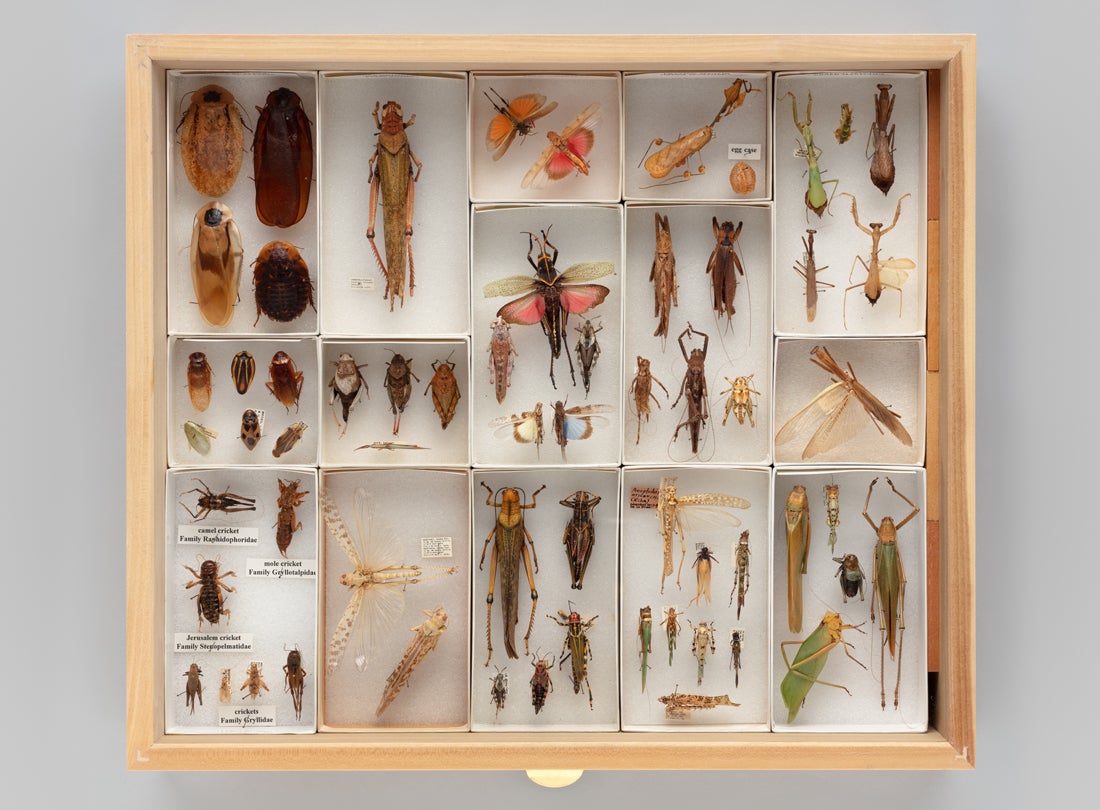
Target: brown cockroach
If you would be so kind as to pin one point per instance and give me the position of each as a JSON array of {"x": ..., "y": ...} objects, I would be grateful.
[
  {"x": 399, "y": 386},
  {"x": 217, "y": 256},
  {"x": 243, "y": 369},
  {"x": 799, "y": 531},
  {"x": 254, "y": 681},
  {"x": 281, "y": 282},
  {"x": 541, "y": 685},
  {"x": 882, "y": 160},
  {"x": 200, "y": 379},
  {"x": 194, "y": 686},
  {"x": 724, "y": 265},
  {"x": 679, "y": 706},
  {"x": 579, "y": 537},
  {"x": 212, "y": 141},
  {"x": 288, "y": 439},
  {"x": 199, "y": 436},
  {"x": 704, "y": 561},
  {"x": 742, "y": 178},
  {"x": 499, "y": 690},
  {"x": 428, "y": 633},
  {"x": 515, "y": 117},
  {"x": 740, "y": 400},
  {"x": 347, "y": 384},
  {"x": 576, "y": 647},
  {"x": 567, "y": 150},
  {"x": 287, "y": 522},
  {"x": 210, "y": 502},
  {"x": 702, "y": 638},
  {"x": 641, "y": 387},
  {"x": 674, "y": 511},
  {"x": 294, "y": 679},
  {"x": 741, "y": 572},
  {"x": 737, "y": 639},
  {"x": 832, "y": 511},
  {"x": 671, "y": 621},
  {"x": 808, "y": 269},
  {"x": 209, "y": 601},
  {"x": 390, "y": 170},
  {"x": 286, "y": 381},
  {"x": 525, "y": 427},
  {"x": 663, "y": 276},
  {"x": 444, "y": 388},
  {"x": 510, "y": 540},
  {"x": 500, "y": 358},
  {"x": 225, "y": 691},
  {"x": 250, "y": 428},
  {"x": 282, "y": 155},
  {"x": 843, "y": 132},
  {"x": 881, "y": 273},
  {"x": 576, "y": 423},
  {"x": 588, "y": 351},
  {"x": 851, "y": 576},
  {"x": 695, "y": 386}
]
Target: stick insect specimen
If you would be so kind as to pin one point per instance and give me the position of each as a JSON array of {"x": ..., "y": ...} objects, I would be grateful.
[
  {"x": 576, "y": 647},
  {"x": 526, "y": 427},
  {"x": 679, "y": 706},
  {"x": 741, "y": 575},
  {"x": 737, "y": 639},
  {"x": 225, "y": 502},
  {"x": 579, "y": 537},
  {"x": 739, "y": 402},
  {"x": 882, "y": 160},
  {"x": 294, "y": 679},
  {"x": 588, "y": 351},
  {"x": 671, "y": 621},
  {"x": 347, "y": 385},
  {"x": 702, "y": 638},
  {"x": 810, "y": 659},
  {"x": 851, "y": 576},
  {"x": 796, "y": 515},
  {"x": 881, "y": 273},
  {"x": 724, "y": 265},
  {"x": 816, "y": 200},
  {"x": 515, "y": 117},
  {"x": 694, "y": 385},
  {"x": 209, "y": 602},
  {"x": 645, "y": 638},
  {"x": 832, "y": 512},
  {"x": 663, "y": 276},
  {"x": 377, "y": 581},
  {"x": 576, "y": 423},
  {"x": 838, "y": 424},
  {"x": 808, "y": 269},
  {"x": 426, "y": 638},
  {"x": 697, "y": 511},
  {"x": 500, "y": 358},
  {"x": 888, "y": 585},
  {"x": 390, "y": 170},
  {"x": 551, "y": 296},
  {"x": 567, "y": 150},
  {"x": 641, "y": 388},
  {"x": 498, "y": 692},
  {"x": 704, "y": 561}
]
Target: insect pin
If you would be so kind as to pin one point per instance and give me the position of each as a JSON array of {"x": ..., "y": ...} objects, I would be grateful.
[
  {"x": 576, "y": 423},
  {"x": 576, "y": 647},
  {"x": 347, "y": 385},
  {"x": 426, "y": 638},
  {"x": 254, "y": 681},
  {"x": 498, "y": 692},
  {"x": 289, "y": 499},
  {"x": 444, "y": 389},
  {"x": 515, "y": 117},
  {"x": 217, "y": 257},
  {"x": 209, "y": 601},
  {"x": 399, "y": 377},
  {"x": 567, "y": 151},
  {"x": 193, "y": 689},
  {"x": 526, "y": 427},
  {"x": 501, "y": 363},
  {"x": 294, "y": 680},
  {"x": 541, "y": 685}
]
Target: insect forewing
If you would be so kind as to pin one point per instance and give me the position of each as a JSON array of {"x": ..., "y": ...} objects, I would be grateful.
[
  {"x": 511, "y": 285},
  {"x": 586, "y": 271},
  {"x": 880, "y": 413},
  {"x": 835, "y": 396}
]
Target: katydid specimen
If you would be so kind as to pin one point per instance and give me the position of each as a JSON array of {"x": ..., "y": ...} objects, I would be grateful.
[{"x": 810, "y": 660}]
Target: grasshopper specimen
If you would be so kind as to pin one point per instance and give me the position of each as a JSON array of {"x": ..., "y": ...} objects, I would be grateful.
[
  {"x": 739, "y": 402},
  {"x": 703, "y": 564},
  {"x": 797, "y": 517},
  {"x": 580, "y": 535},
  {"x": 576, "y": 647},
  {"x": 737, "y": 639},
  {"x": 671, "y": 621},
  {"x": 588, "y": 351},
  {"x": 499, "y": 690},
  {"x": 741, "y": 576},
  {"x": 695, "y": 386},
  {"x": 724, "y": 265},
  {"x": 641, "y": 388},
  {"x": 428, "y": 633},
  {"x": 832, "y": 511},
  {"x": 645, "y": 637},
  {"x": 663, "y": 276},
  {"x": 810, "y": 660},
  {"x": 702, "y": 638},
  {"x": 678, "y": 706},
  {"x": 674, "y": 511}
]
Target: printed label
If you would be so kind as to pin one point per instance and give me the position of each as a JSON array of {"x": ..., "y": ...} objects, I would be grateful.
[
  {"x": 435, "y": 547},
  {"x": 260, "y": 415},
  {"x": 744, "y": 151},
  {"x": 278, "y": 568},
  {"x": 213, "y": 642},
  {"x": 248, "y": 717},
  {"x": 191, "y": 535},
  {"x": 364, "y": 284},
  {"x": 643, "y": 497}
]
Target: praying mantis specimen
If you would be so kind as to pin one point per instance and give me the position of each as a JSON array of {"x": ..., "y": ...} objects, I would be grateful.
[
  {"x": 808, "y": 269},
  {"x": 816, "y": 200},
  {"x": 882, "y": 160},
  {"x": 881, "y": 273},
  {"x": 810, "y": 659}
]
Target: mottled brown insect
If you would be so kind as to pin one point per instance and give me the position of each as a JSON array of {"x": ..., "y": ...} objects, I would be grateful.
[
  {"x": 288, "y": 439},
  {"x": 347, "y": 384},
  {"x": 541, "y": 685},
  {"x": 576, "y": 647},
  {"x": 500, "y": 358},
  {"x": 741, "y": 573},
  {"x": 742, "y": 178},
  {"x": 212, "y": 141},
  {"x": 243, "y": 369},
  {"x": 843, "y": 132},
  {"x": 209, "y": 600},
  {"x": 588, "y": 351},
  {"x": 679, "y": 706},
  {"x": 641, "y": 388},
  {"x": 194, "y": 686},
  {"x": 294, "y": 679},
  {"x": 740, "y": 402},
  {"x": 200, "y": 379},
  {"x": 281, "y": 282},
  {"x": 399, "y": 386},
  {"x": 254, "y": 681},
  {"x": 579, "y": 537},
  {"x": 216, "y": 259},
  {"x": 250, "y": 428},
  {"x": 428, "y": 634},
  {"x": 282, "y": 159},
  {"x": 289, "y": 499},
  {"x": 286, "y": 381},
  {"x": 694, "y": 385},
  {"x": 724, "y": 265},
  {"x": 663, "y": 275},
  {"x": 224, "y": 502},
  {"x": 444, "y": 388}
]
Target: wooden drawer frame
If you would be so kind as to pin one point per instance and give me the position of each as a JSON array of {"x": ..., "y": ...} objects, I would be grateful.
[{"x": 949, "y": 742}]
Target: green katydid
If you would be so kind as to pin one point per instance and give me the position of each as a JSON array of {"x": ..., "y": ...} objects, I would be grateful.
[
  {"x": 816, "y": 200},
  {"x": 810, "y": 660}
]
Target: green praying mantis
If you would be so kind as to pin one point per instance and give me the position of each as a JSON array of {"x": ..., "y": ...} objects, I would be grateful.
[{"x": 816, "y": 200}]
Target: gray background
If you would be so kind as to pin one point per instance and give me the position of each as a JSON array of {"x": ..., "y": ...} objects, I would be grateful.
[{"x": 64, "y": 411}]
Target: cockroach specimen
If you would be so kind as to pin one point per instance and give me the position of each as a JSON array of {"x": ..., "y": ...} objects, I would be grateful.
[
  {"x": 250, "y": 428},
  {"x": 843, "y": 132},
  {"x": 377, "y": 581},
  {"x": 282, "y": 156},
  {"x": 663, "y": 276},
  {"x": 287, "y": 522},
  {"x": 498, "y": 692},
  {"x": 399, "y": 386},
  {"x": 243, "y": 369},
  {"x": 808, "y": 269},
  {"x": 294, "y": 679},
  {"x": 550, "y": 297},
  {"x": 225, "y": 690},
  {"x": 579, "y": 537},
  {"x": 739, "y": 402},
  {"x": 641, "y": 387},
  {"x": 832, "y": 511},
  {"x": 576, "y": 423},
  {"x": 695, "y": 386},
  {"x": 645, "y": 638},
  {"x": 390, "y": 169},
  {"x": 888, "y": 585},
  {"x": 194, "y": 686},
  {"x": 566, "y": 151},
  {"x": 676, "y": 511},
  {"x": 281, "y": 282},
  {"x": 541, "y": 685},
  {"x": 851, "y": 576},
  {"x": 816, "y": 200},
  {"x": 724, "y": 265},
  {"x": 515, "y": 117},
  {"x": 217, "y": 256},
  {"x": 882, "y": 161},
  {"x": 199, "y": 381},
  {"x": 212, "y": 141},
  {"x": 510, "y": 540},
  {"x": 444, "y": 388},
  {"x": 588, "y": 351},
  {"x": 286, "y": 381},
  {"x": 810, "y": 659},
  {"x": 199, "y": 437},
  {"x": 833, "y": 430},
  {"x": 737, "y": 639},
  {"x": 796, "y": 516},
  {"x": 428, "y": 633},
  {"x": 254, "y": 681},
  {"x": 525, "y": 427},
  {"x": 679, "y": 706},
  {"x": 209, "y": 601},
  {"x": 881, "y": 273},
  {"x": 225, "y": 502},
  {"x": 671, "y": 621},
  {"x": 288, "y": 438},
  {"x": 500, "y": 358},
  {"x": 576, "y": 647},
  {"x": 702, "y": 638},
  {"x": 741, "y": 574},
  {"x": 704, "y": 561},
  {"x": 347, "y": 385},
  {"x": 742, "y": 178}
]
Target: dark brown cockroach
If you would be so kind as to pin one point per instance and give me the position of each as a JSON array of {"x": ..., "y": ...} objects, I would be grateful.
[
  {"x": 663, "y": 276},
  {"x": 216, "y": 258},
  {"x": 588, "y": 351},
  {"x": 851, "y": 576},
  {"x": 347, "y": 384},
  {"x": 210, "y": 502},
  {"x": 200, "y": 378},
  {"x": 254, "y": 681},
  {"x": 444, "y": 388},
  {"x": 704, "y": 562},
  {"x": 641, "y": 387},
  {"x": 576, "y": 423},
  {"x": 399, "y": 386},
  {"x": 243, "y": 369},
  {"x": 843, "y": 132},
  {"x": 287, "y": 523},
  {"x": 288, "y": 438},
  {"x": 500, "y": 358},
  {"x": 250, "y": 429},
  {"x": 580, "y": 534},
  {"x": 294, "y": 679},
  {"x": 694, "y": 386},
  {"x": 724, "y": 265},
  {"x": 742, "y": 178},
  {"x": 282, "y": 159},
  {"x": 576, "y": 647},
  {"x": 281, "y": 282},
  {"x": 286, "y": 381},
  {"x": 808, "y": 269},
  {"x": 541, "y": 685},
  {"x": 212, "y": 141},
  {"x": 194, "y": 686},
  {"x": 882, "y": 160},
  {"x": 209, "y": 601}
]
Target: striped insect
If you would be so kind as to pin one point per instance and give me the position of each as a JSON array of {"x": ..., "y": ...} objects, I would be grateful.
[
  {"x": 210, "y": 601},
  {"x": 579, "y": 537},
  {"x": 567, "y": 151},
  {"x": 702, "y": 639},
  {"x": 427, "y": 636},
  {"x": 515, "y": 117},
  {"x": 645, "y": 639},
  {"x": 741, "y": 572},
  {"x": 243, "y": 371},
  {"x": 501, "y": 363},
  {"x": 576, "y": 647},
  {"x": 541, "y": 685}
]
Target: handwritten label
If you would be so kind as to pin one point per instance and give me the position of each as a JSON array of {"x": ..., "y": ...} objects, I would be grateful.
[
  {"x": 213, "y": 642},
  {"x": 364, "y": 284},
  {"x": 190, "y": 535},
  {"x": 744, "y": 151},
  {"x": 279, "y": 568},
  {"x": 643, "y": 497},
  {"x": 435, "y": 547},
  {"x": 248, "y": 717}
]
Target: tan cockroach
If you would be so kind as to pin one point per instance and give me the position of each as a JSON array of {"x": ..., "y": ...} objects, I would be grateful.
[
  {"x": 740, "y": 400},
  {"x": 704, "y": 561},
  {"x": 200, "y": 378},
  {"x": 641, "y": 388},
  {"x": 212, "y": 140},
  {"x": 663, "y": 276},
  {"x": 294, "y": 679},
  {"x": 347, "y": 385},
  {"x": 194, "y": 686},
  {"x": 881, "y": 273},
  {"x": 254, "y": 681},
  {"x": 225, "y": 691},
  {"x": 679, "y": 706},
  {"x": 444, "y": 388},
  {"x": 500, "y": 358},
  {"x": 428, "y": 633},
  {"x": 797, "y": 519},
  {"x": 289, "y": 499},
  {"x": 217, "y": 256},
  {"x": 676, "y": 511}
]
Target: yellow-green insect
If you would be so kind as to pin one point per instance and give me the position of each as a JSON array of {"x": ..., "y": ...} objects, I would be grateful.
[
  {"x": 645, "y": 636},
  {"x": 810, "y": 660},
  {"x": 576, "y": 647}
]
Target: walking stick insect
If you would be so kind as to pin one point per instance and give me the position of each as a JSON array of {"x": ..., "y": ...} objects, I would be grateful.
[
  {"x": 816, "y": 200},
  {"x": 641, "y": 388},
  {"x": 663, "y": 276},
  {"x": 695, "y": 386},
  {"x": 882, "y": 160},
  {"x": 810, "y": 659},
  {"x": 808, "y": 269},
  {"x": 881, "y": 273},
  {"x": 576, "y": 647}
]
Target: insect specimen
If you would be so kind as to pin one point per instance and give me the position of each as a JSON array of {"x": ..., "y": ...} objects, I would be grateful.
[
  {"x": 282, "y": 157},
  {"x": 290, "y": 498},
  {"x": 843, "y": 132},
  {"x": 851, "y": 576},
  {"x": 286, "y": 381},
  {"x": 580, "y": 534},
  {"x": 209, "y": 601},
  {"x": 832, "y": 511},
  {"x": 881, "y": 273},
  {"x": 541, "y": 685},
  {"x": 888, "y": 585},
  {"x": 515, "y": 117},
  {"x": 377, "y": 581},
  {"x": 741, "y": 574},
  {"x": 816, "y": 200},
  {"x": 225, "y": 502},
  {"x": 250, "y": 428},
  {"x": 444, "y": 388},
  {"x": 426, "y": 638},
  {"x": 193, "y": 689},
  {"x": 882, "y": 161},
  {"x": 390, "y": 170},
  {"x": 694, "y": 386},
  {"x": 216, "y": 259},
  {"x": 679, "y": 706},
  {"x": 702, "y": 638},
  {"x": 199, "y": 381},
  {"x": 198, "y": 437},
  {"x": 704, "y": 561},
  {"x": 641, "y": 387},
  {"x": 399, "y": 386},
  {"x": 212, "y": 140},
  {"x": 695, "y": 511},
  {"x": 281, "y": 282},
  {"x": 576, "y": 423},
  {"x": 742, "y": 178},
  {"x": 347, "y": 385},
  {"x": 294, "y": 680},
  {"x": 243, "y": 369},
  {"x": 498, "y": 692},
  {"x": 832, "y": 402},
  {"x": 810, "y": 660},
  {"x": 671, "y": 621},
  {"x": 724, "y": 265},
  {"x": 225, "y": 690},
  {"x": 737, "y": 639},
  {"x": 796, "y": 516},
  {"x": 739, "y": 402},
  {"x": 566, "y": 151},
  {"x": 645, "y": 638},
  {"x": 500, "y": 358},
  {"x": 808, "y": 269},
  {"x": 510, "y": 540},
  {"x": 576, "y": 647},
  {"x": 391, "y": 446},
  {"x": 288, "y": 439},
  {"x": 663, "y": 276},
  {"x": 588, "y": 351},
  {"x": 550, "y": 297},
  {"x": 254, "y": 681}
]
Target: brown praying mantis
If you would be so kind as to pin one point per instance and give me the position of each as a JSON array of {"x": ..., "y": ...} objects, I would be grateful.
[{"x": 881, "y": 273}]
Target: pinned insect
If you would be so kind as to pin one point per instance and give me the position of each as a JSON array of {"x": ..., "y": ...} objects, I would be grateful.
[
  {"x": 250, "y": 429},
  {"x": 390, "y": 170},
  {"x": 694, "y": 386},
  {"x": 641, "y": 387},
  {"x": 816, "y": 200},
  {"x": 515, "y": 117},
  {"x": 500, "y": 358},
  {"x": 576, "y": 647},
  {"x": 347, "y": 385},
  {"x": 645, "y": 639},
  {"x": 808, "y": 269},
  {"x": 541, "y": 685},
  {"x": 377, "y": 581},
  {"x": 217, "y": 256},
  {"x": 737, "y": 639},
  {"x": 832, "y": 402},
  {"x": 832, "y": 511},
  {"x": 741, "y": 575},
  {"x": 810, "y": 660},
  {"x": 428, "y": 633},
  {"x": 288, "y": 439},
  {"x": 704, "y": 561},
  {"x": 212, "y": 141},
  {"x": 851, "y": 576},
  {"x": 663, "y": 276},
  {"x": 510, "y": 540},
  {"x": 742, "y": 178},
  {"x": 243, "y": 369},
  {"x": 498, "y": 692},
  {"x": 797, "y": 519},
  {"x": 576, "y": 423},
  {"x": 254, "y": 681},
  {"x": 286, "y": 381},
  {"x": 199, "y": 381},
  {"x": 724, "y": 265},
  {"x": 588, "y": 351},
  {"x": 580, "y": 534},
  {"x": 566, "y": 151},
  {"x": 193, "y": 689},
  {"x": 399, "y": 386},
  {"x": 679, "y": 706},
  {"x": 225, "y": 690},
  {"x": 287, "y": 522},
  {"x": 881, "y": 273},
  {"x": 671, "y": 622},
  {"x": 209, "y": 601},
  {"x": 551, "y": 296},
  {"x": 210, "y": 502},
  {"x": 739, "y": 402},
  {"x": 882, "y": 160},
  {"x": 843, "y": 132},
  {"x": 391, "y": 446},
  {"x": 702, "y": 638},
  {"x": 294, "y": 680},
  {"x": 282, "y": 156},
  {"x": 199, "y": 437},
  {"x": 444, "y": 388},
  {"x": 281, "y": 283},
  {"x": 696, "y": 511}
]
